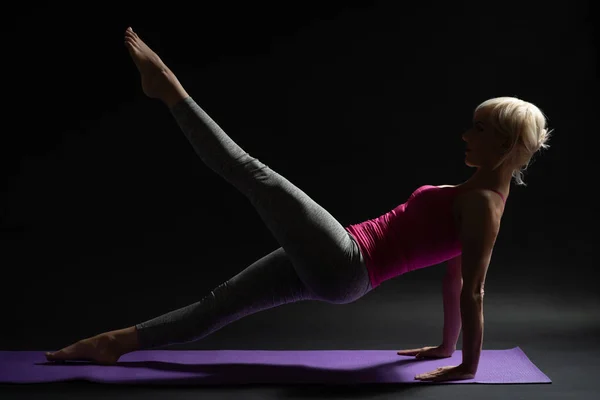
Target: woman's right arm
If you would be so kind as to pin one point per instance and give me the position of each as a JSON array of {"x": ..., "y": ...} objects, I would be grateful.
[{"x": 452, "y": 286}]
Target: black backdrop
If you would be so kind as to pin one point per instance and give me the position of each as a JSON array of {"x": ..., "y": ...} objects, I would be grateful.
[{"x": 109, "y": 218}]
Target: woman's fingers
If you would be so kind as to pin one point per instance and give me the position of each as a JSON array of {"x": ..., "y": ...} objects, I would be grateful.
[{"x": 412, "y": 352}]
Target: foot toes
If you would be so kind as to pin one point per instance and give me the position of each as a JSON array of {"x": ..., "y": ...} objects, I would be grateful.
[
  {"x": 56, "y": 356},
  {"x": 130, "y": 32}
]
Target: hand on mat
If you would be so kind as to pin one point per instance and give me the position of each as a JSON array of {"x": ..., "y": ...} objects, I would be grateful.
[
  {"x": 450, "y": 373},
  {"x": 428, "y": 352}
]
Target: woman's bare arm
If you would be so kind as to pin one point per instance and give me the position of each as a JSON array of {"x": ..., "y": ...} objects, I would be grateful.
[{"x": 451, "y": 288}]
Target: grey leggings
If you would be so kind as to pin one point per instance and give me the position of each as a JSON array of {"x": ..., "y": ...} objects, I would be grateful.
[{"x": 318, "y": 259}]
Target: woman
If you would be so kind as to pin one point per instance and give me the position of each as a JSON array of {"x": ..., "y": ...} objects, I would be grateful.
[{"x": 319, "y": 259}]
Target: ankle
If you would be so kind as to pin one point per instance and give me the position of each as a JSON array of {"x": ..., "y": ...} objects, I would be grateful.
[
  {"x": 173, "y": 92},
  {"x": 127, "y": 339},
  {"x": 172, "y": 99}
]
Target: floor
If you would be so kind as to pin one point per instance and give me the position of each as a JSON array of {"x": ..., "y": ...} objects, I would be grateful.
[{"x": 559, "y": 335}]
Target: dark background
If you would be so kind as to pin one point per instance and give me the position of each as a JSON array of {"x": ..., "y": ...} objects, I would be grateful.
[{"x": 109, "y": 218}]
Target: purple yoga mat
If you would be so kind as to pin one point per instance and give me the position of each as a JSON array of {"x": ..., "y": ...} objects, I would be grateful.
[{"x": 264, "y": 366}]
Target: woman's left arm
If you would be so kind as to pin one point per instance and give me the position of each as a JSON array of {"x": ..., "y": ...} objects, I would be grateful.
[{"x": 480, "y": 224}]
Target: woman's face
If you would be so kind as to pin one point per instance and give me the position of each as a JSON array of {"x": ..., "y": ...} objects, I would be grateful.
[{"x": 484, "y": 145}]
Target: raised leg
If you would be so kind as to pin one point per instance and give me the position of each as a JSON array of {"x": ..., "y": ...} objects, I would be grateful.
[{"x": 324, "y": 254}]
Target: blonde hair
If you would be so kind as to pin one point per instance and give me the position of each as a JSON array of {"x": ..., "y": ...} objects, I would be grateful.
[{"x": 524, "y": 124}]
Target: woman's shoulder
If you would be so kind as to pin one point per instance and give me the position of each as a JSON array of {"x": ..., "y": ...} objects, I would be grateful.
[
  {"x": 464, "y": 195},
  {"x": 463, "y": 203},
  {"x": 463, "y": 190}
]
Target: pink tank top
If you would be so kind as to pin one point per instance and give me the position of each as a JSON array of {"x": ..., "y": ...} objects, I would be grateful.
[{"x": 416, "y": 234}]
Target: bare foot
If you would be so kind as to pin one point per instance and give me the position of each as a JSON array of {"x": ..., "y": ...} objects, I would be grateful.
[
  {"x": 105, "y": 348},
  {"x": 158, "y": 81}
]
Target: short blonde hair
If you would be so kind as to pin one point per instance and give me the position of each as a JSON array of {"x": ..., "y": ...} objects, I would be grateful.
[{"x": 524, "y": 124}]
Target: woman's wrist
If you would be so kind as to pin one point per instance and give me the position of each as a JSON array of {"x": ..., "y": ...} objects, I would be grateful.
[{"x": 448, "y": 347}]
